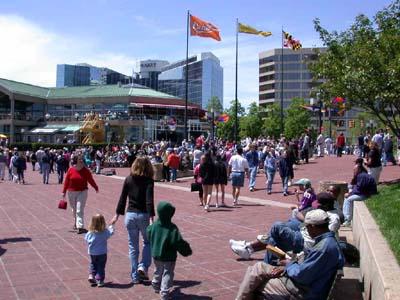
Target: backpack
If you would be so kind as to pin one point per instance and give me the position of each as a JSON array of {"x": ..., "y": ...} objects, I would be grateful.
[
  {"x": 46, "y": 159},
  {"x": 60, "y": 160}
]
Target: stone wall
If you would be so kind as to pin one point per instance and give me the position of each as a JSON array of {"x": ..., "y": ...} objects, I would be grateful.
[{"x": 380, "y": 272}]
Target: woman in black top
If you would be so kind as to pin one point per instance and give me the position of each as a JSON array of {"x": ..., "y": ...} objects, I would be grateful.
[
  {"x": 374, "y": 162},
  {"x": 207, "y": 173},
  {"x": 221, "y": 179},
  {"x": 139, "y": 188}
]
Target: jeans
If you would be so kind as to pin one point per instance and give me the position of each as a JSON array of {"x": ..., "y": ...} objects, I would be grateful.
[
  {"x": 135, "y": 223},
  {"x": 40, "y": 167},
  {"x": 173, "y": 174},
  {"x": 285, "y": 181},
  {"x": 285, "y": 238},
  {"x": 270, "y": 179},
  {"x": 348, "y": 206},
  {"x": 361, "y": 151},
  {"x": 20, "y": 174},
  {"x": 46, "y": 172},
  {"x": 165, "y": 172},
  {"x": 98, "y": 166},
  {"x": 2, "y": 170},
  {"x": 97, "y": 266},
  {"x": 60, "y": 173},
  {"x": 253, "y": 174},
  {"x": 163, "y": 276}
]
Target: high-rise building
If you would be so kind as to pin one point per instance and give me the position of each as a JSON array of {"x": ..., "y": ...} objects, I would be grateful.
[
  {"x": 85, "y": 74},
  {"x": 72, "y": 75},
  {"x": 205, "y": 79},
  {"x": 149, "y": 70},
  {"x": 297, "y": 79}
]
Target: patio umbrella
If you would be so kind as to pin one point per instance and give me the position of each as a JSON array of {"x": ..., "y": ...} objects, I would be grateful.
[{"x": 3, "y": 136}]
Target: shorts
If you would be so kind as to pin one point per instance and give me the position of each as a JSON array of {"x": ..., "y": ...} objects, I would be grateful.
[{"x": 238, "y": 179}]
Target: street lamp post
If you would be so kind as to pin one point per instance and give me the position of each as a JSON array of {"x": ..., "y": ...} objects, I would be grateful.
[{"x": 319, "y": 113}]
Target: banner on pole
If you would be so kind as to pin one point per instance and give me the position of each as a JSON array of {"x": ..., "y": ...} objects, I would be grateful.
[{"x": 202, "y": 28}]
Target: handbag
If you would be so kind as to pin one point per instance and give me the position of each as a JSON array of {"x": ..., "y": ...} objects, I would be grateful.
[
  {"x": 62, "y": 204},
  {"x": 195, "y": 187}
]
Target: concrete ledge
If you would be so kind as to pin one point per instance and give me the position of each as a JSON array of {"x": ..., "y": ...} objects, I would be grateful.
[{"x": 380, "y": 272}]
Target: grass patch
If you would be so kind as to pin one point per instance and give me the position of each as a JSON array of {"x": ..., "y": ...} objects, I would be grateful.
[{"x": 385, "y": 208}]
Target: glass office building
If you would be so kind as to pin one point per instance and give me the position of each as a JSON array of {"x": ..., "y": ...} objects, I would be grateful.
[
  {"x": 72, "y": 75},
  {"x": 205, "y": 79}
]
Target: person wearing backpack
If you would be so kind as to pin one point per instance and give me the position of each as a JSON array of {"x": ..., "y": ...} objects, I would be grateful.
[
  {"x": 60, "y": 164},
  {"x": 46, "y": 166},
  {"x": 33, "y": 160},
  {"x": 20, "y": 164}
]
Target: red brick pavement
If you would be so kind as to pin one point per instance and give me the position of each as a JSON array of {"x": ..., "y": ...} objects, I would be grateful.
[{"x": 42, "y": 258}]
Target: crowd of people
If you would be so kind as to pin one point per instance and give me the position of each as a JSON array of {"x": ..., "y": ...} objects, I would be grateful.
[{"x": 309, "y": 238}]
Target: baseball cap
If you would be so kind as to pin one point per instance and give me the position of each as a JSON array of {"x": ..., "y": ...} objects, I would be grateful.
[
  {"x": 303, "y": 181},
  {"x": 316, "y": 217}
]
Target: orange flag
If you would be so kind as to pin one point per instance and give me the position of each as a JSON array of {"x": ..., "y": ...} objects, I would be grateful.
[{"x": 203, "y": 28}]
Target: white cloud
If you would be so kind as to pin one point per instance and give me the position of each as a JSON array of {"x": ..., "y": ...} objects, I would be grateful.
[{"x": 30, "y": 53}]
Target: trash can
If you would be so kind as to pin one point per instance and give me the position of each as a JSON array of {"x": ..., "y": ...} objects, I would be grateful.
[
  {"x": 157, "y": 169},
  {"x": 342, "y": 185}
]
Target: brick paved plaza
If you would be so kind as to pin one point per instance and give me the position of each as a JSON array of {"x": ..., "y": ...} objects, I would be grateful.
[{"x": 42, "y": 258}]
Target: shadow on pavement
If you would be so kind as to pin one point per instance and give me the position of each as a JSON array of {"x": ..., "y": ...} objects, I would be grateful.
[
  {"x": 181, "y": 284},
  {"x": 113, "y": 285},
  {"x": 12, "y": 240}
]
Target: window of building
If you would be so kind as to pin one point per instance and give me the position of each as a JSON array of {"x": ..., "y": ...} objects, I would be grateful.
[
  {"x": 266, "y": 87},
  {"x": 267, "y": 78},
  {"x": 267, "y": 96},
  {"x": 267, "y": 69}
]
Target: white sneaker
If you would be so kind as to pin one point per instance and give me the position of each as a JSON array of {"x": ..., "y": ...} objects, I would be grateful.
[
  {"x": 142, "y": 273},
  {"x": 206, "y": 208},
  {"x": 237, "y": 243},
  {"x": 242, "y": 251}
]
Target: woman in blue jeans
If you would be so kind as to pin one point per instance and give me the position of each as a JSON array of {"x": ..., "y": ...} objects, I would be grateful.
[{"x": 139, "y": 189}]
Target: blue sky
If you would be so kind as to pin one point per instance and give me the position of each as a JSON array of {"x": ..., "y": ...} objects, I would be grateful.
[{"x": 117, "y": 33}]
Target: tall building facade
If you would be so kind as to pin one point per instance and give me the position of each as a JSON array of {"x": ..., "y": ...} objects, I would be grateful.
[
  {"x": 72, "y": 75},
  {"x": 205, "y": 79},
  {"x": 289, "y": 76},
  {"x": 292, "y": 77},
  {"x": 149, "y": 70},
  {"x": 85, "y": 74}
]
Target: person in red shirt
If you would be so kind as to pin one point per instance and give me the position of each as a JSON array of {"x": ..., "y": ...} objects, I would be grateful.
[
  {"x": 76, "y": 183},
  {"x": 173, "y": 164},
  {"x": 340, "y": 143}
]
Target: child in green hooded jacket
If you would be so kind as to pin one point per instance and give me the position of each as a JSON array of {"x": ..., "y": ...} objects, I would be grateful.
[{"x": 165, "y": 241}]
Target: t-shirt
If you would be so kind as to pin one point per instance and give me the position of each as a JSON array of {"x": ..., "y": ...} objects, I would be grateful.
[{"x": 238, "y": 163}]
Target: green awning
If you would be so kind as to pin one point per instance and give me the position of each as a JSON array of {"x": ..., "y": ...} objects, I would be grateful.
[{"x": 71, "y": 128}]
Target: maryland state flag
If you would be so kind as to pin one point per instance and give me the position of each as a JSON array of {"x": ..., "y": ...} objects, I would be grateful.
[
  {"x": 223, "y": 118},
  {"x": 290, "y": 42},
  {"x": 203, "y": 28},
  {"x": 251, "y": 30}
]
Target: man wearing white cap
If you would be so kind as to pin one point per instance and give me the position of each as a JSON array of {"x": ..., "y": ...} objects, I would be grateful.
[{"x": 310, "y": 279}]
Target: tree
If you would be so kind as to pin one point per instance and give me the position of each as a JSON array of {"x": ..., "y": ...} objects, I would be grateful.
[
  {"x": 362, "y": 64},
  {"x": 271, "y": 123},
  {"x": 251, "y": 124},
  {"x": 297, "y": 118},
  {"x": 226, "y": 130},
  {"x": 214, "y": 104}
]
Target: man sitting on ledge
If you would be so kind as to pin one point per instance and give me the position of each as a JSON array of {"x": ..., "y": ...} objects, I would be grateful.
[{"x": 308, "y": 280}]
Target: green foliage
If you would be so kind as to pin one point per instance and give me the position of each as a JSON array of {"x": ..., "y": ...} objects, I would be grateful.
[
  {"x": 214, "y": 104},
  {"x": 226, "y": 130},
  {"x": 362, "y": 64},
  {"x": 297, "y": 119},
  {"x": 271, "y": 123},
  {"x": 385, "y": 208},
  {"x": 36, "y": 146},
  {"x": 251, "y": 124}
]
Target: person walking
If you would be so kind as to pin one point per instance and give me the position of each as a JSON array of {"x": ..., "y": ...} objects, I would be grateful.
[
  {"x": 237, "y": 168},
  {"x": 76, "y": 184},
  {"x": 46, "y": 166},
  {"x": 138, "y": 187},
  {"x": 220, "y": 180},
  {"x": 3, "y": 163},
  {"x": 20, "y": 165},
  {"x": 340, "y": 143},
  {"x": 270, "y": 165},
  {"x": 207, "y": 173},
  {"x": 284, "y": 172},
  {"x": 33, "y": 160},
  {"x": 60, "y": 165},
  {"x": 173, "y": 164},
  {"x": 321, "y": 145},
  {"x": 305, "y": 149},
  {"x": 253, "y": 161}
]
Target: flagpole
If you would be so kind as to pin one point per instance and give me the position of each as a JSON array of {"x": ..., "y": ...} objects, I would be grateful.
[
  {"x": 236, "y": 85},
  {"x": 282, "y": 84},
  {"x": 186, "y": 76}
]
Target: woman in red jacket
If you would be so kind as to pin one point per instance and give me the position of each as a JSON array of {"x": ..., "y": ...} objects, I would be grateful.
[{"x": 76, "y": 183}]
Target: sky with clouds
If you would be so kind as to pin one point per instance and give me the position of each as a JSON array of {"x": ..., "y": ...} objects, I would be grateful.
[{"x": 36, "y": 35}]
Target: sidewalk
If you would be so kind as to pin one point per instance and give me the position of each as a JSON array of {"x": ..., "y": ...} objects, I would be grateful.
[{"x": 42, "y": 258}]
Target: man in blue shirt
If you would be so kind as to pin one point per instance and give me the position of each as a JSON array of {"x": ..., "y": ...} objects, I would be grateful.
[
  {"x": 253, "y": 160},
  {"x": 308, "y": 280}
]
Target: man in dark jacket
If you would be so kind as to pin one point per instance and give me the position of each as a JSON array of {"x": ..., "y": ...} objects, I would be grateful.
[{"x": 166, "y": 241}]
